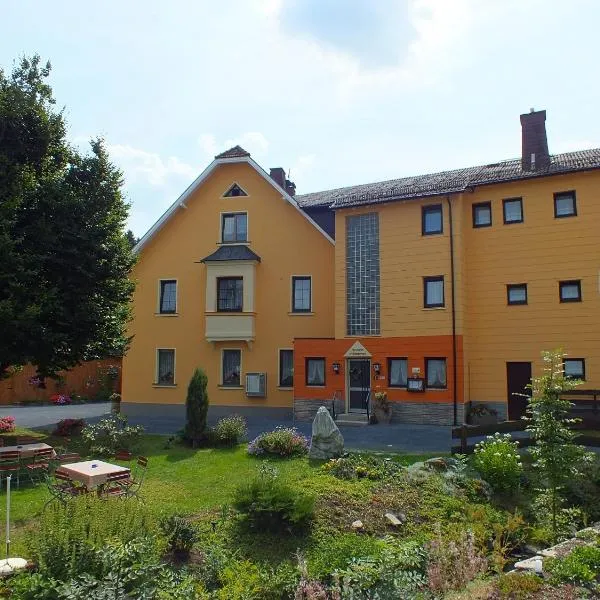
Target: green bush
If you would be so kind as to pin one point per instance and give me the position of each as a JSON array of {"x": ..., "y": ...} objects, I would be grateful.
[
  {"x": 268, "y": 504},
  {"x": 196, "y": 409},
  {"x": 181, "y": 535},
  {"x": 518, "y": 586},
  {"x": 336, "y": 552},
  {"x": 229, "y": 431},
  {"x": 110, "y": 434},
  {"x": 282, "y": 441},
  {"x": 64, "y": 542},
  {"x": 581, "y": 567},
  {"x": 497, "y": 460},
  {"x": 362, "y": 466}
]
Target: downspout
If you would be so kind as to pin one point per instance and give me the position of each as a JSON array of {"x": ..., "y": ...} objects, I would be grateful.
[{"x": 453, "y": 294}]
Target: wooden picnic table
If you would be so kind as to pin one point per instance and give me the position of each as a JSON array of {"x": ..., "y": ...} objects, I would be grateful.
[
  {"x": 92, "y": 473},
  {"x": 26, "y": 450}
]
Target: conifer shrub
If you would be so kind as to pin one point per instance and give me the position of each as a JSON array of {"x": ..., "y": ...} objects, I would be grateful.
[{"x": 196, "y": 409}]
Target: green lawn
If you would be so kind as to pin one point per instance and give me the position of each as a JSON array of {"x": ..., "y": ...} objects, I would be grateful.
[{"x": 194, "y": 482}]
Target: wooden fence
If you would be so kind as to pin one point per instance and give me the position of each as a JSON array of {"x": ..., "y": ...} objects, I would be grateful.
[
  {"x": 585, "y": 408},
  {"x": 90, "y": 379}
]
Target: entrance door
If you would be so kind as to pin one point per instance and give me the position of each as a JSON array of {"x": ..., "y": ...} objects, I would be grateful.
[
  {"x": 518, "y": 375},
  {"x": 359, "y": 384}
]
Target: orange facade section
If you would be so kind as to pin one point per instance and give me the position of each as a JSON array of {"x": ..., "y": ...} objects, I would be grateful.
[
  {"x": 415, "y": 349},
  {"x": 87, "y": 379}
]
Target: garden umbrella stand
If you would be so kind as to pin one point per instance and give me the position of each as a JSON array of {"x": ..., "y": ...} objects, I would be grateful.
[{"x": 8, "y": 565}]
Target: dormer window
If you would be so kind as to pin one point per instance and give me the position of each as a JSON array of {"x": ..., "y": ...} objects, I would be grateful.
[
  {"x": 234, "y": 191},
  {"x": 234, "y": 228}
]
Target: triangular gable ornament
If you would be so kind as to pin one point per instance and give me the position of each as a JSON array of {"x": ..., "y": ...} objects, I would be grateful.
[
  {"x": 357, "y": 350},
  {"x": 234, "y": 191}
]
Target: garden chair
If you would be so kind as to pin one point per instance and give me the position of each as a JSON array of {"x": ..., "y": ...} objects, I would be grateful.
[
  {"x": 133, "y": 484},
  {"x": 123, "y": 456},
  {"x": 10, "y": 464},
  {"x": 40, "y": 466},
  {"x": 62, "y": 488},
  {"x": 67, "y": 457},
  {"x": 118, "y": 490},
  {"x": 26, "y": 439}
]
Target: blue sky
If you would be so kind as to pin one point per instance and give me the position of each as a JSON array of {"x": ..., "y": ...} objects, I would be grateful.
[{"x": 337, "y": 91}]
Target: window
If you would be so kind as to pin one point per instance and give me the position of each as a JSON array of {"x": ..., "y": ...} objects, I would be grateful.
[
  {"x": 513, "y": 210},
  {"x": 315, "y": 371},
  {"x": 397, "y": 372},
  {"x": 165, "y": 369},
  {"x": 435, "y": 372},
  {"x": 230, "y": 294},
  {"x": 433, "y": 289},
  {"x": 362, "y": 275},
  {"x": 432, "y": 219},
  {"x": 168, "y": 297},
  {"x": 482, "y": 214},
  {"x": 516, "y": 293},
  {"x": 301, "y": 294},
  {"x": 231, "y": 368},
  {"x": 234, "y": 228},
  {"x": 233, "y": 191},
  {"x": 565, "y": 205},
  {"x": 574, "y": 368},
  {"x": 286, "y": 368},
  {"x": 570, "y": 291}
]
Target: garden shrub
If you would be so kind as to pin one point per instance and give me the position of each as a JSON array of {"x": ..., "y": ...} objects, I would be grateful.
[
  {"x": 111, "y": 434},
  {"x": 584, "y": 491},
  {"x": 361, "y": 466},
  {"x": 69, "y": 427},
  {"x": 581, "y": 566},
  {"x": 398, "y": 572},
  {"x": 497, "y": 460},
  {"x": 180, "y": 533},
  {"x": 66, "y": 537},
  {"x": 282, "y": 441},
  {"x": 554, "y": 520},
  {"x": 269, "y": 504},
  {"x": 7, "y": 424},
  {"x": 453, "y": 563},
  {"x": 518, "y": 586},
  {"x": 196, "y": 409},
  {"x": 336, "y": 552},
  {"x": 229, "y": 431}
]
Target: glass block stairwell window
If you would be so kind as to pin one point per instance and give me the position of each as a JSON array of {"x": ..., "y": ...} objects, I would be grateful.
[{"x": 362, "y": 274}]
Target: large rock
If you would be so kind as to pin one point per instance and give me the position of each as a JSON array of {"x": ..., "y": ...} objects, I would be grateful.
[{"x": 327, "y": 441}]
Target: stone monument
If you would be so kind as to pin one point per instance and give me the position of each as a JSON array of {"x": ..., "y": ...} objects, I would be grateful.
[{"x": 327, "y": 441}]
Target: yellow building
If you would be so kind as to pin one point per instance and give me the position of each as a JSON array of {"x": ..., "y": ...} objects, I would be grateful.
[{"x": 441, "y": 289}]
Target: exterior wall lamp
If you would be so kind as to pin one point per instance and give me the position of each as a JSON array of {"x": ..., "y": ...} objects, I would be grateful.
[
  {"x": 376, "y": 368},
  {"x": 336, "y": 367}
]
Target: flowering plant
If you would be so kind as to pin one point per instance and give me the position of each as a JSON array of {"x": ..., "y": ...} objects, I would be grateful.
[
  {"x": 497, "y": 460},
  {"x": 69, "y": 427},
  {"x": 36, "y": 381},
  {"x": 7, "y": 424},
  {"x": 60, "y": 399},
  {"x": 282, "y": 441}
]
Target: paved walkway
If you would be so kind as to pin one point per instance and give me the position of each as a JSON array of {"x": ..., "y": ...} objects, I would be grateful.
[{"x": 391, "y": 438}]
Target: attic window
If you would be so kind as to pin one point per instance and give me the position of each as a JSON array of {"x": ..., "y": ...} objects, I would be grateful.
[{"x": 233, "y": 191}]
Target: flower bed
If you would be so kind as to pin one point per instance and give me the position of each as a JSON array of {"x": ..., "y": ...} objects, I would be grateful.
[
  {"x": 7, "y": 424},
  {"x": 282, "y": 441}
]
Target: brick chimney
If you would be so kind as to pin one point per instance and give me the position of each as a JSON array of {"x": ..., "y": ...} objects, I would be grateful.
[
  {"x": 278, "y": 175},
  {"x": 534, "y": 152},
  {"x": 290, "y": 187}
]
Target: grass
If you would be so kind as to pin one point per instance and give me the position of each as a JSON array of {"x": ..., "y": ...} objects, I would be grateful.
[{"x": 182, "y": 480}]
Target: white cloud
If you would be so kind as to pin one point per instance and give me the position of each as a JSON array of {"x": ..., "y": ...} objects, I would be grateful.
[
  {"x": 139, "y": 165},
  {"x": 301, "y": 166},
  {"x": 252, "y": 141}
]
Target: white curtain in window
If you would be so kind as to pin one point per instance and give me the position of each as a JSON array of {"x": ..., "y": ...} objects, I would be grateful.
[
  {"x": 228, "y": 228},
  {"x": 398, "y": 372},
  {"x": 435, "y": 292},
  {"x": 436, "y": 373},
  {"x": 316, "y": 372},
  {"x": 166, "y": 366}
]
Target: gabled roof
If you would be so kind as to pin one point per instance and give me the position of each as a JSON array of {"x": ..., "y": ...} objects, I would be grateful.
[
  {"x": 448, "y": 182},
  {"x": 231, "y": 252},
  {"x": 231, "y": 156},
  {"x": 235, "y": 152}
]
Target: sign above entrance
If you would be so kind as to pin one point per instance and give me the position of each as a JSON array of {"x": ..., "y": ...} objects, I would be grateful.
[{"x": 357, "y": 350}]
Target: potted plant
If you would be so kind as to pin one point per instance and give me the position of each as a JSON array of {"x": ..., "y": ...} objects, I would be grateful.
[
  {"x": 481, "y": 414},
  {"x": 115, "y": 403},
  {"x": 382, "y": 410}
]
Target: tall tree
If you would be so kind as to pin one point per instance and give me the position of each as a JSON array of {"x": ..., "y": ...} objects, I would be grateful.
[{"x": 64, "y": 254}]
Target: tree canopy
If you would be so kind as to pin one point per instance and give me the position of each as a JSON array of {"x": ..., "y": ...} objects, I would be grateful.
[{"x": 64, "y": 254}]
